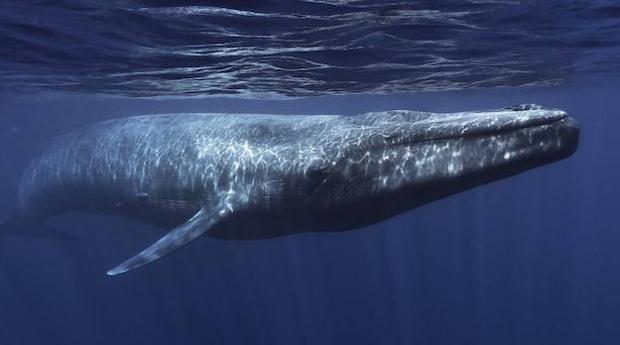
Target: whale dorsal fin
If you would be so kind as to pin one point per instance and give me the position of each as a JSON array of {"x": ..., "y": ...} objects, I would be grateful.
[{"x": 178, "y": 237}]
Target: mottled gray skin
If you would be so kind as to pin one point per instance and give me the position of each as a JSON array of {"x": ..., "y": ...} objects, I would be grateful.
[{"x": 261, "y": 176}]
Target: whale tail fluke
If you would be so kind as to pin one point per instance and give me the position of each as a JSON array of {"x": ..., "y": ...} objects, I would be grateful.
[{"x": 11, "y": 225}]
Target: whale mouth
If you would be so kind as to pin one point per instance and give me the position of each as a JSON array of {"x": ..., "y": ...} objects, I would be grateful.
[
  {"x": 547, "y": 136},
  {"x": 486, "y": 123},
  {"x": 547, "y": 141},
  {"x": 556, "y": 118},
  {"x": 484, "y": 146},
  {"x": 506, "y": 149},
  {"x": 476, "y": 149}
]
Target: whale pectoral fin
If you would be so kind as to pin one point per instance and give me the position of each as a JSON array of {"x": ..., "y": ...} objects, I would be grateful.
[{"x": 180, "y": 236}]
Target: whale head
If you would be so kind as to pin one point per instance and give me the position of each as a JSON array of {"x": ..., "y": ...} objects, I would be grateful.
[{"x": 404, "y": 159}]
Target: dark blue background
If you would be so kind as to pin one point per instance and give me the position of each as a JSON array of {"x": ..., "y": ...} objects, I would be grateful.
[{"x": 533, "y": 259}]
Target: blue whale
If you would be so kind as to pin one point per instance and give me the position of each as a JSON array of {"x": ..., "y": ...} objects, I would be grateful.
[{"x": 253, "y": 176}]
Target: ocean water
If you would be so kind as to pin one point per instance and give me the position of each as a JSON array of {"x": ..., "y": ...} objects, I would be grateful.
[
  {"x": 300, "y": 48},
  {"x": 532, "y": 259}
]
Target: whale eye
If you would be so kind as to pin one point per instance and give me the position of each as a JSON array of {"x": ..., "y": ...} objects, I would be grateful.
[
  {"x": 316, "y": 174},
  {"x": 390, "y": 138}
]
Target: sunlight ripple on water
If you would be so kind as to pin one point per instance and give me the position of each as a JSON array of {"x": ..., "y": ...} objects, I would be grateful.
[{"x": 300, "y": 48}]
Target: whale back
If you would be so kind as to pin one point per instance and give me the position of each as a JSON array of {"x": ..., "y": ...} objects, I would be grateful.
[{"x": 176, "y": 157}]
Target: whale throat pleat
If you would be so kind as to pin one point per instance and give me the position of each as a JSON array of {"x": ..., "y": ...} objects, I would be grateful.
[{"x": 175, "y": 239}]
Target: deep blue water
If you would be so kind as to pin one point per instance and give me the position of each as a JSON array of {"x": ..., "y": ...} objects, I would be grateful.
[{"x": 532, "y": 259}]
